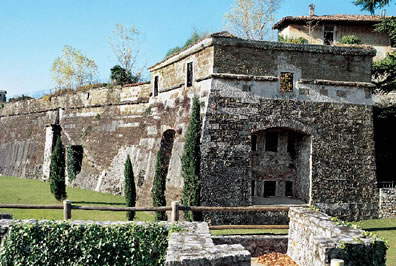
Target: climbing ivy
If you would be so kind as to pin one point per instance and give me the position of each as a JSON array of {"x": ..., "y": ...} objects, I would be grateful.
[{"x": 191, "y": 162}]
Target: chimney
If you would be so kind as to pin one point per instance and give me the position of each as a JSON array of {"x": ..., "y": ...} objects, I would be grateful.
[{"x": 312, "y": 10}]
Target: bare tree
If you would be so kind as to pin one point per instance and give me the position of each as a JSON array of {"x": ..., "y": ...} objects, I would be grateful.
[
  {"x": 72, "y": 69},
  {"x": 252, "y": 19},
  {"x": 125, "y": 42}
]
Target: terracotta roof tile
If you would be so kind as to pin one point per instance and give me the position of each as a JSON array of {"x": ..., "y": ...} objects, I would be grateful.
[{"x": 358, "y": 19}]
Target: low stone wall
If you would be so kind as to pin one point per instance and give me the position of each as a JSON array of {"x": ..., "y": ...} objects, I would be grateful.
[
  {"x": 196, "y": 247},
  {"x": 257, "y": 245},
  {"x": 387, "y": 207},
  {"x": 192, "y": 246},
  {"x": 314, "y": 240}
]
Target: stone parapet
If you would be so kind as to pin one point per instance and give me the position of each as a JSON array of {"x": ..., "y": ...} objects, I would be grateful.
[
  {"x": 314, "y": 240},
  {"x": 387, "y": 207}
]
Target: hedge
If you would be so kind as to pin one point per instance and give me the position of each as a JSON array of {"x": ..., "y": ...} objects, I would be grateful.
[{"x": 62, "y": 243}]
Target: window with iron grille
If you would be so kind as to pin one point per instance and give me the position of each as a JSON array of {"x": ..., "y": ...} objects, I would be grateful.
[{"x": 286, "y": 82}]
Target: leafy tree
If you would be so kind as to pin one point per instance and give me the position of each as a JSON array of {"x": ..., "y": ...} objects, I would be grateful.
[
  {"x": 130, "y": 189},
  {"x": 371, "y": 5},
  {"x": 120, "y": 75},
  {"x": 73, "y": 69},
  {"x": 57, "y": 171},
  {"x": 252, "y": 19},
  {"x": 191, "y": 162},
  {"x": 195, "y": 36},
  {"x": 384, "y": 71},
  {"x": 125, "y": 44},
  {"x": 350, "y": 39},
  {"x": 159, "y": 186}
]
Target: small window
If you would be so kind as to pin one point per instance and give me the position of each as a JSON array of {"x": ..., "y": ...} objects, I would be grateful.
[
  {"x": 254, "y": 142},
  {"x": 189, "y": 74},
  {"x": 271, "y": 141},
  {"x": 253, "y": 188},
  {"x": 269, "y": 188},
  {"x": 286, "y": 82},
  {"x": 289, "y": 189},
  {"x": 156, "y": 78},
  {"x": 328, "y": 35}
]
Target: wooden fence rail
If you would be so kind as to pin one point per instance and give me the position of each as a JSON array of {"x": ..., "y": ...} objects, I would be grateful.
[{"x": 175, "y": 209}]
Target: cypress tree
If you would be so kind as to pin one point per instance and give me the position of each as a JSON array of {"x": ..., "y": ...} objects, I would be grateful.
[
  {"x": 191, "y": 162},
  {"x": 159, "y": 186},
  {"x": 57, "y": 171},
  {"x": 130, "y": 189}
]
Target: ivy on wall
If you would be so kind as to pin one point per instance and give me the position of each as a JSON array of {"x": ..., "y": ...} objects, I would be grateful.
[
  {"x": 191, "y": 160},
  {"x": 61, "y": 243}
]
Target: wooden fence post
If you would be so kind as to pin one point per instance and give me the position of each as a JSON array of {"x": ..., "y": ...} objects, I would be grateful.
[
  {"x": 175, "y": 211},
  {"x": 67, "y": 209}
]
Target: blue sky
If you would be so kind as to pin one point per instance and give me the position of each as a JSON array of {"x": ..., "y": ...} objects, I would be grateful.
[{"x": 33, "y": 32}]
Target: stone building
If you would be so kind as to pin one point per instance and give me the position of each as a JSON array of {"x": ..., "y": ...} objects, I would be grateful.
[
  {"x": 329, "y": 29},
  {"x": 282, "y": 123},
  {"x": 3, "y": 97}
]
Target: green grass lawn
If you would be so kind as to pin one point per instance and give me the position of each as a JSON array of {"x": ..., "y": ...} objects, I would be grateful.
[
  {"x": 384, "y": 228},
  {"x": 26, "y": 191}
]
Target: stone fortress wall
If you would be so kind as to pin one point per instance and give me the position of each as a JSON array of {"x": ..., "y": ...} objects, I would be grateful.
[{"x": 322, "y": 149}]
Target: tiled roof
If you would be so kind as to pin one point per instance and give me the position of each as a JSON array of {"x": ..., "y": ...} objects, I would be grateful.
[{"x": 351, "y": 19}]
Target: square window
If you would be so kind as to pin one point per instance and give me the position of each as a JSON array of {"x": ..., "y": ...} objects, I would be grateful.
[
  {"x": 271, "y": 141},
  {"x": 328, "y": 35},
  {"x": 286, "y": 82},
  {"x": 269, "y": 188},
  {"x": 156, "y": 80},
  {"x": 189, "y": 74}
]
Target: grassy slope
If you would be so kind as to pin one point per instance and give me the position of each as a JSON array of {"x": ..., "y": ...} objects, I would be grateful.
[{"x": 25, "y": 191}]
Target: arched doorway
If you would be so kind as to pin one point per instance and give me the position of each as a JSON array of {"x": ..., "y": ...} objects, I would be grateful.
[{"x": 280, "y": 167}]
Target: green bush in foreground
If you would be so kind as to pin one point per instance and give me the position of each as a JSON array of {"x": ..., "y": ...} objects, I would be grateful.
[
  {"x": 350, "y": 39},
  {"x": 61, "y": 243}
]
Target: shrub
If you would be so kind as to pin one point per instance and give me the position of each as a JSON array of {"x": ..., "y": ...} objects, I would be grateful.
[
  {"x": 130, "y": 189},
  {"x": 285, "y": 39},
  {"x": 191, "y": 162},
  {"x": 350, "y": 39},
  {"x": 159, "y": 186},
  {"x": 61, "y": 243},
  {"x": 57, "y": 171}
]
